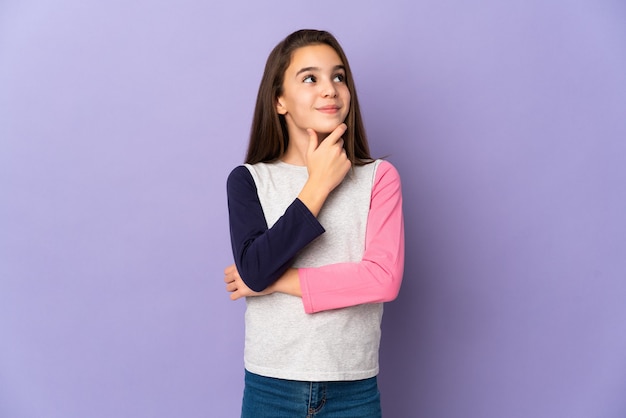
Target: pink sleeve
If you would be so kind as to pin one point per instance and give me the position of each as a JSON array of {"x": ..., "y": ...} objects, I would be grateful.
[{"x": 377, "y": 277}]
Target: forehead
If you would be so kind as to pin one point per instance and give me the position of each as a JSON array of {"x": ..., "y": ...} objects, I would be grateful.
[{"x": 320, "y": 56}]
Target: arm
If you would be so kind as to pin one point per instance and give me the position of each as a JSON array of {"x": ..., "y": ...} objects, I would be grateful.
[
  {"x": 288, "y": 283},
  {"x": 263, "y": 254},
  {"x": 377, "y": 277}
]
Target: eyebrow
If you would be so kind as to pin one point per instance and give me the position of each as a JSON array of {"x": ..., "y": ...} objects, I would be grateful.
[{"x": 314, "y": 69}]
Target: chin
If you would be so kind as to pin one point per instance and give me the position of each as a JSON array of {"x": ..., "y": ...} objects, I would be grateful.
[{"x": 327, "y": 128}]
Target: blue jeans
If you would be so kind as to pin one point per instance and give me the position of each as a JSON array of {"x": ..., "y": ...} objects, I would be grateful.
[{"x": 267, "y": 397}]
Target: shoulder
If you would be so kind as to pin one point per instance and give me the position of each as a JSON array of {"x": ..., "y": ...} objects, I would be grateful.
[
  {"x": 384, "y": 167},
  {"x": 386, "y": 178},
  {"x": 386, "y": 171},
  {"x": 239, "y": 177},
  {"x": 238, "y": 171}
]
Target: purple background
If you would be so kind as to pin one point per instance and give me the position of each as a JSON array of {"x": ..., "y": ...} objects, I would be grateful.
[{"x": 119, "y": 122}]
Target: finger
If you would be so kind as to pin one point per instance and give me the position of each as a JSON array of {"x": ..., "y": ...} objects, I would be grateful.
[
  {"x": 313, "y": 142},
  {"x": 336, "y": 134},
  {"x": 229, "y": 269}
]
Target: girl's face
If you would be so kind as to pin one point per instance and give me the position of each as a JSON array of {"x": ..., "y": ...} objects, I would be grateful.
[{"x": 315, "y": 94}]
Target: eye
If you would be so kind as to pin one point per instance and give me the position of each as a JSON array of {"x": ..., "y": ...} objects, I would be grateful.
[
  {"x": 339, "y": 78},
  {"x": 309, "y": 79}
]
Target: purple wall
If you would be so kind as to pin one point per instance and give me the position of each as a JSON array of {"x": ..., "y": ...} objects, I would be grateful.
[{"x": 119, "y": 122}]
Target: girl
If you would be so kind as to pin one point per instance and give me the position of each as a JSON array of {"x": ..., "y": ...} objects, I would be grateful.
[{"x": 318, "y": 239}]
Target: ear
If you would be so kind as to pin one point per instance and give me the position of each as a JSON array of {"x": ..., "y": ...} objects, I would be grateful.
[{"x": 280, "y": 108}]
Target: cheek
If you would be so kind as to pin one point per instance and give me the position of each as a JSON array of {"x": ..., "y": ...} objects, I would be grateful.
[
  {"x": 347, "y": 98},
  {"x": 346, "y": 94}
]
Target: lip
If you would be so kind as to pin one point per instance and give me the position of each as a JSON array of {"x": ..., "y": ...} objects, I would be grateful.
[{"x": 330, "y": 109}]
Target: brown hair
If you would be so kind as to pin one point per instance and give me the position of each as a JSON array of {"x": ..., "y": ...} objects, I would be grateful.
[{"x": 268, "y": 136}]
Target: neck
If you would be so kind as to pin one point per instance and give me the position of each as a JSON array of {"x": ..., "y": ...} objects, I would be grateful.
[{"x": 296, "y": 152}]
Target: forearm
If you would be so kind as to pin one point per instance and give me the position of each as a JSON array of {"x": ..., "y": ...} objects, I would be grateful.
[
  {"x": 262, "y": 258},
  {"x": 377, "y": 277},
  {"x": 288, "y": 283},
  {"x": 263, "y": 254},
  {"x": 349, "y": 284},
  {"x": 313, "y": 196},
  {"x": 327, "y": 165}
]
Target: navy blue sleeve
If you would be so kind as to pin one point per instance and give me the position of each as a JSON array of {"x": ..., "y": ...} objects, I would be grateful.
[{"x": 263, "y": 254}]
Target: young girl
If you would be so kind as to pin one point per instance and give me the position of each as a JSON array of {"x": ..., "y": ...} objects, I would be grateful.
[{"x": 318, "y": 239}]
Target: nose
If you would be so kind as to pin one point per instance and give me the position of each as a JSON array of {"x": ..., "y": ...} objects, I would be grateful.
[{"x": 329, "y": 89}]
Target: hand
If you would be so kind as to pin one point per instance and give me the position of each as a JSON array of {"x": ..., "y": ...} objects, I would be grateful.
[
  {"x": 327, "y": 162},
  {"x": 236, "y": 286}
]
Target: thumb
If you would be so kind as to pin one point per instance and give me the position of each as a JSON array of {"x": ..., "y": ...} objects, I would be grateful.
[{"x": 312, "y": 141}]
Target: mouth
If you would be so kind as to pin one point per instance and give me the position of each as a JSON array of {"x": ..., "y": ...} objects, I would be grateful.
[{"x": 330, "y": 109}]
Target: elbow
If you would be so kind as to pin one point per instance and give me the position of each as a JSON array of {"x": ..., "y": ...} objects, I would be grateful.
[
  {"x": 250, "y": 270},
  {"x": 390, "y": 284},
  {"x": 394, "y": 277},
  {"x": 386, "y": 270},
  {"x": 255, "y": 287},
  {"x": 392, "y": 295},
  {"x": 254, "y": 282},
  {"x": 391, "y": 290},
  {"x": 255, "y": 278},
  {"x": 249, "y": 278}
]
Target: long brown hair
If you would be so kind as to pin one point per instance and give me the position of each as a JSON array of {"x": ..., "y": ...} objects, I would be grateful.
[{"x": 268, "y": 136}]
